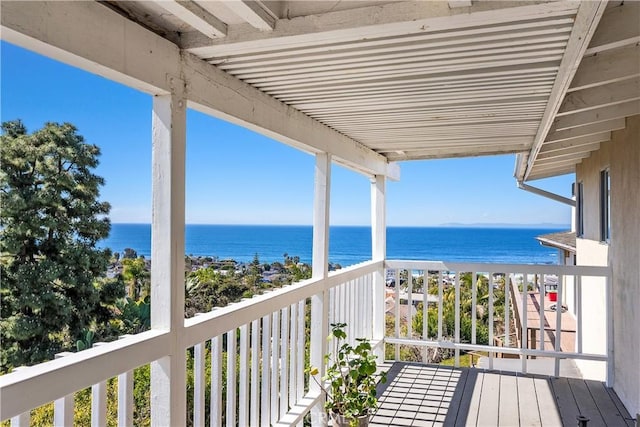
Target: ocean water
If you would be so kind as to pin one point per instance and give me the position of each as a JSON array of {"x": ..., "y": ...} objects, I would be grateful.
[{"x": 348, "y": 245}]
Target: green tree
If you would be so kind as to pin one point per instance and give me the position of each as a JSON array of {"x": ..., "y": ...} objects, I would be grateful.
[
  {"x": 50, "y": 223},
  {"x": 137, "y": 277}
]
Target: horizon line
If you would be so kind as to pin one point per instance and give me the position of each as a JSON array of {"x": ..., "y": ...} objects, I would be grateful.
[{"x": 446, "y": 225}]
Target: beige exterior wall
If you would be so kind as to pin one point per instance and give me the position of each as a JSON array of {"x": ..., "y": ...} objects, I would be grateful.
[{"x": 622, "y": 156}]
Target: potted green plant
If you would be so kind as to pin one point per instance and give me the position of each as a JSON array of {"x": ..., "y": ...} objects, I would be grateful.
[{"x": 350, "y": 380}]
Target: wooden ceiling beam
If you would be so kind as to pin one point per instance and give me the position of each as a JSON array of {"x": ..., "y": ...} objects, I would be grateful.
[
  {"x": 387, "y": 20},
  {"x": 196, "y": 16}
]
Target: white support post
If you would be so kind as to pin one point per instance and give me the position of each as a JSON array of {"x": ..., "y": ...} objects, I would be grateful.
[
  {"x": 63, "y": 407},
  {"x": 320, "y": 269},
  {"x": 125, "y": 397},
  {"x": 168, "y": 374},
  {"x": 378, "y": 253}
]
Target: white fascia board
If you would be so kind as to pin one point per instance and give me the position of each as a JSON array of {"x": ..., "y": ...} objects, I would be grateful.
[
  {"x": 92, "y": 37},
  {"x": 387, "y": 20},
  {"x": 587, "y": 19}
]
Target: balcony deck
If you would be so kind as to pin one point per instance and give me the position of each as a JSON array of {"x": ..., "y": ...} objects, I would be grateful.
[{"x": 432, "y": 395}]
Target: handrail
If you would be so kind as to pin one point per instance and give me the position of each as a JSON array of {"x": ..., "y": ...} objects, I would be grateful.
[
  {"x": 567, "y": 270},
  {"x": 219, "y": 321},
  {"x": 36, "y": 385}
]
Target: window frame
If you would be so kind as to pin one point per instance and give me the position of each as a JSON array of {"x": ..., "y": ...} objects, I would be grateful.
[
  {"x": 605, "y": 205},
  {"x": 579, "y": 209}
]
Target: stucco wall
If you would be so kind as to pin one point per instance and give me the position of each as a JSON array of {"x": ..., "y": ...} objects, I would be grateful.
[{"x": 622, "y": 156}]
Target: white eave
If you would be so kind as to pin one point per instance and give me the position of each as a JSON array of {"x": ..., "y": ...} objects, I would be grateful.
[{"x": 370, "y": 82}]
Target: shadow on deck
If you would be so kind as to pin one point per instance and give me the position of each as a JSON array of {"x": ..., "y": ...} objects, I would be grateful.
[{"x": 432, "y": 395}]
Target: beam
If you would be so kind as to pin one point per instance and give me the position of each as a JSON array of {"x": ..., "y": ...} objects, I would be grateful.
[
  {"x": 557, "y": 165},
  {"x": 563, "y": 158},
  {"x": 587, "y": 18},
  {"x": 194, "y": 15},
  {"x": 453, "y": 152},
  {"x": 552, "y": 172},
  {"x": 387, "y": 20},
  {"x": 105, "y": 43},
  {"x": 590, "y": 129},
  {"x": 575, "y": 142},
  {"x": 564, "y": 165},
  {"x": 601, "y": 96},
  {"x": 619, "y": 27},
  {"x": 586, "y": 148},
  {"x": 607, "y": 67},
  {"x": 253, "y": 13},
  {"x": 626, "y": 109}
]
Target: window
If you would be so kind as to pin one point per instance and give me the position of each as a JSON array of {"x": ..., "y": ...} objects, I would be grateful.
[
  {"x": 579, "y": 210},
  {"x": 605, "y": 206}
]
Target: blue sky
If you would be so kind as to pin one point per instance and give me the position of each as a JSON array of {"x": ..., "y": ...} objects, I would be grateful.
[{"x": 235, "y": 176}]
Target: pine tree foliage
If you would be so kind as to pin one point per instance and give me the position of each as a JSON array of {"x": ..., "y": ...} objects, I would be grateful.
[{"x": 50, "y": 222}]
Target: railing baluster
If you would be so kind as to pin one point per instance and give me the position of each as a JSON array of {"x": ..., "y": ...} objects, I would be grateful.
[
  {"x": 243, "y": 386},
  {"x": 409, "y": 304},
  {"x": 457, "y": 319},
  {"x": 293, "y": 351},
  {"x": 396, "y": 310},
  {"x": 230, "y": 412},
  {"x": 491, "y": 314},
  {"x": 425, "y": 314},
  {"x": 22, "y": 420},
  {"x": 198, "y": 384},
  {"x": 440, "y": 303},
  {"x": 541, "y": 314},
  {"x": 254, "y": 409},
  {"x": 215, "y": 406},
  {"x": 524, "y": 339},
  {"x": 63, "y": 407},
  {"x": 99, "y": 401},
  {"x": 275, "y": 363},
  {"x": 558, "y": 337},
  {"x": 577, "y": 280},
  {"x": 300, "y": 377},
  {"x": 507, "y": 327},
  {"x": 284, "y": 362},
  {"x": 474, "y": 310},
  {"x": 265, "y": 414}
]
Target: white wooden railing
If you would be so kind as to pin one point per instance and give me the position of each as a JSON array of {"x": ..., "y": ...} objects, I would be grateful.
[
  {"x": 404, "y": 275},
  {"x": 257, "y": 350}
]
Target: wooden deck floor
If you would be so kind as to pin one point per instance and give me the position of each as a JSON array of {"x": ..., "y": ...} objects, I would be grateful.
[{"x": 431, "y": 395}]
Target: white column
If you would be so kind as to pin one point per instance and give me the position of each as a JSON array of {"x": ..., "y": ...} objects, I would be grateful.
[
  {"x": 378, "y": 253},
  {"x": 320, "y": 265},
  {"x": 168, "y": 382}
]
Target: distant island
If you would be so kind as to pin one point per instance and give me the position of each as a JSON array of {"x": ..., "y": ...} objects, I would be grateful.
[{"x": 505, "y": 225}]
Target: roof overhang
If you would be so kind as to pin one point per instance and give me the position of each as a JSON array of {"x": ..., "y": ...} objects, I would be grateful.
[
  {"x": 603, "y": 92},
  {"x": 370, "y": 82}
]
